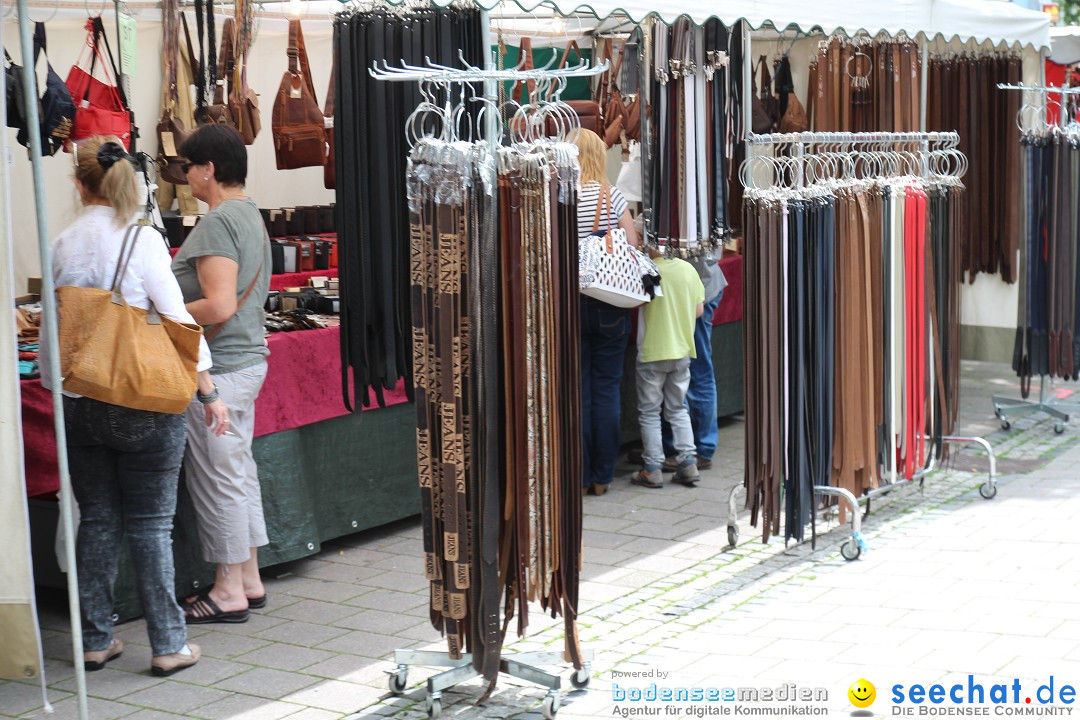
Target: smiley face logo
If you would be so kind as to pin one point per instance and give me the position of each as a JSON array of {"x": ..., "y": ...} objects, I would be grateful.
[{"x": 862, "y": 693}]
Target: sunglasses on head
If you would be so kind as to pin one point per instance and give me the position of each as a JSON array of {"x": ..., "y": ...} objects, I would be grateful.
[{"x": 184, "y": 167}]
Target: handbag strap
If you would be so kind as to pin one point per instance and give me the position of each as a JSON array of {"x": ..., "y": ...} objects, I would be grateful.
[
  {"x": 526, "y": 86},
  {"x": 210, "y": 335},
  {"x": 604, "y": 196},
  {"x": 127, "y": 249},
  {"x": 226, "y": 61},
  {"x": 298, "y": 52},
  {"x": 329, "y": 111},
  {"x": 99, "y": 32}
]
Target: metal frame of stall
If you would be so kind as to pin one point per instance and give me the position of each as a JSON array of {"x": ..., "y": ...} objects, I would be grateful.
[
  {"x": 1007, "y": 407},
  {"x": 852, "y": 548}
]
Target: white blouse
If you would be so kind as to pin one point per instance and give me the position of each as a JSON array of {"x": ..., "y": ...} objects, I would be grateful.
[{"x": 85, "y": 255}]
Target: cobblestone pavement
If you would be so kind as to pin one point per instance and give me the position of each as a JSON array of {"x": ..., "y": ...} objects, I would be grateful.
[{"x": 951, "y": 584}]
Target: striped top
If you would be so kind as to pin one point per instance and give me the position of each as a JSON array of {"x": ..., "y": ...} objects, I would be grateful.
[{"x": 588, "y": 197}]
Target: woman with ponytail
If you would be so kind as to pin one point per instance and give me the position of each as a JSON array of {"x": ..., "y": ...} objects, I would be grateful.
[{"x": 125, "y": 463}]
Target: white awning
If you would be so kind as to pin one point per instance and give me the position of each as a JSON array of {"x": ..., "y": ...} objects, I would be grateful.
[
  {"x": 998, "y": 21},
  {"x": 1065, "y": 45}
]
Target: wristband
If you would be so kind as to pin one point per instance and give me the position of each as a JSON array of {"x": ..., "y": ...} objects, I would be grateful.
[{"x": 207, "y": 399}]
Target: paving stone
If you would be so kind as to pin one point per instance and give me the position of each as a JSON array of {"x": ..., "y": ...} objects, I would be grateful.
[
  {"x": 112, "y": 684},
  {"x": 209, "y": 671},
  {"x": 17, "y": 698},
  {"x": 246, "y": 707},
  {"x": 266, "y": 683},
  {"x": 284, "y": 657},
  {"x": 362, "y": 643},
  {"x": 377, "y": 621},
  {"x": 336, "y": 696},
  {"x": 325, "y": 590},
  {"x": 68, "y": 709},
  {"x": 301, "y": 633},
  {"x": 227, "y": 647},
  {"x": 176, "y": 697},
  {"x": 401, "y": 582}
]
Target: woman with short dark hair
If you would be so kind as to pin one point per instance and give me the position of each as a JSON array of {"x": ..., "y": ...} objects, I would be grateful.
[{"x": 224, "y": 271}]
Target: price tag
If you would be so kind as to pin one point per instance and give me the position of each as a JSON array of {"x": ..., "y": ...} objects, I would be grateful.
[
  {"x": 168, "y": 144},
  {"x": 129, "y": 61}
]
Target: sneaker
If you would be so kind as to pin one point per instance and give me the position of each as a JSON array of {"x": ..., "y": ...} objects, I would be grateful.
[
  {"x": 96, "y": 659},
  {"x": 166, "y": 665},
  {"x": 671, "y": 464},
  {"x": 644, "y": 478},
  {"x": 687, "y": 473}
]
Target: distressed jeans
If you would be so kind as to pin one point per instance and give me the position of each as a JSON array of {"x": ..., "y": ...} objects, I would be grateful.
[
  {"x": 125, "y": 465},
  {"x": 661, "y": 386}
]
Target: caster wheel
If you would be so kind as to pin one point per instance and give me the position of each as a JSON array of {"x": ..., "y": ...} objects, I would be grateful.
[
  {"x": 987, "y": 490},
  {"x": 732, "y": 535},
  {"x": 434, "y": 707},
  {"x": 1005, "y": 424},
  {"x": 850, "y": 550},
  {"x": 398, "y": 681},
  {"x": 1059, "y": 428},
  {"x": 580, "y": 679},
  {"x": 551, "y": 706}
]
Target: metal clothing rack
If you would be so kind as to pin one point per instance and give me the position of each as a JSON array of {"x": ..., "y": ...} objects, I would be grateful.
[
  {"x": 946, "y": 142},
  {"x": 1010, "y": 407},
  {"x": 522, "y": 666}
]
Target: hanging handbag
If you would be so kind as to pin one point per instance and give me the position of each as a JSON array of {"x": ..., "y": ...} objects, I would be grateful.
[
  {"x": 100, "y": 107},
  {"x": 609, "y": 267},
  {"x": 298, "y": 124},
  {"x": 630, "y": 85},
  {"x": 220, "y": 110},
  {"x": 795, "y": 118},
  {"x": 13, "y": 85},
  {"x": 610, "y": 100},
  {"x": 171, "y": 131},
  {"x": 328, "y": 169},
  {"x": 764, "y": 106},
  {"x": 56, "y": 111},
  {"x": 243, "y": 101},
  {"x": 122, "y": 355},
  {"x": 589, "y": 112}
]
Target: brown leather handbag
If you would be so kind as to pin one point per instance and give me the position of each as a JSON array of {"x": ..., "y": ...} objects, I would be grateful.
[
  {"x": 589, "y": 112},
  {"x": 795, "y": 118},
  {"x": 610, "y": 99},
  {"x": 329, "y": 178},
  {"x": 171, "y": 131},
  {"x": 298, "y": 124},
  {"x": 243, "y": 101},
  {"x": 220, "y": 110}
]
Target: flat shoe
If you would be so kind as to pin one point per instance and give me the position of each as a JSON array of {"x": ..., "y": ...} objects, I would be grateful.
[
  {"x": 642, "y": 479},
  {"x": 204, "y": 610},
  {"x": 166, "y": 665},
  {"x": 96, "y": 659}
]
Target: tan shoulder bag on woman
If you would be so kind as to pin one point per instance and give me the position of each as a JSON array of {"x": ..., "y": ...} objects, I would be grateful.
[{"x": 122, "y": 355}]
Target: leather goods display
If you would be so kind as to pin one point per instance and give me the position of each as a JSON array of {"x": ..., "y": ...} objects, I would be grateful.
[
  {"x": 1048, "y": 328},
  {"x": 589, "y": 112},
  {"x": 290, "y": 256},
  {"x": 609, "y": 268},
  {"x": 56, "y": 110},
  {"x": 988, "y": 138},
  {"x": 689, "y": 143},
  {"x": 823, "y": 267},
  {"x": 298, "y": 124},
  {"x": 243, "y": 101},
  {"x": 609, "y": 98},
  {"x": 220, "y": 110},
  {"x": 100, "y": 107},
  {"x": 126, "y": 356},
  {"x": 864, "y": 85},
  {"x": 766, "y": 106},
  {"x": 629, "y": 79}
]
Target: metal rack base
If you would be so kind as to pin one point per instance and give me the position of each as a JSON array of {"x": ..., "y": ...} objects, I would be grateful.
[
  {"x": 521, "y": 666},
  {"x": 854, "y": 546},
  {"x": 1010, "y": 407}
]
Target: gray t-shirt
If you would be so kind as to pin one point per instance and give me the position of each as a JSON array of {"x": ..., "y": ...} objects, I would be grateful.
[{"x": 234, "y": 229}]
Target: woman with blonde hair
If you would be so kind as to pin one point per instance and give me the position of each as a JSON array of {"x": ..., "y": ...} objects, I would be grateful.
[
  {"x": 125, "y": 463},
  {"x": 605, "y": 329}
]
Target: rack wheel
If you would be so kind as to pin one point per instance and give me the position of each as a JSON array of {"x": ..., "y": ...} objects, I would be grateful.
[
  {"x": 580, "y": 679},
  {"x": 434, "y": 705},
  {"x": 988, "y": 490},
  {"x": 1059, "y": 428},
  {"x": 732, "y": 535},
  {"x": 997, "y": 412},
  {"x": 850, "y": 550},
  {"x": 551, "y": 705},
  {"x": 399, "y": 680},
  {"x": 1005, "y": 424}
]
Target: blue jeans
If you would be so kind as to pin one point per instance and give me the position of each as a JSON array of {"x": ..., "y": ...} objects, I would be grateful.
[
  {"x": 605, "y": 330},
  {"x": 701, "y": 397},
  {"x": 125, "y": 465}
]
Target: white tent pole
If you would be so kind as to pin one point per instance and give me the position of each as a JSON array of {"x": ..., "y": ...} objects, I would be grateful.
[
  {"x": 747, "y": 98},
  {"x": 924, "y": 83},
  {"x": 49, "y": 325}
]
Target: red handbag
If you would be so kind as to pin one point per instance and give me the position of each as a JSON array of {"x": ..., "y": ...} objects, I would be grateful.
[{"x": 99, "y": 106}]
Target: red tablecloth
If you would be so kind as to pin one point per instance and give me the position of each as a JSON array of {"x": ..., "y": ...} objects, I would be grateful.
[
  {"x": 303, "y": 386},
  {"x": 730, "y": 308},
  {"x": 300, "y": 279}
]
